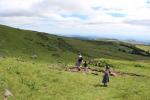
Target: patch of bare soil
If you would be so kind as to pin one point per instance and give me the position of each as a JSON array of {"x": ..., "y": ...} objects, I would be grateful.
[
  {"x": 129, "y": 74},
  {"x": 96, "y": 72}
]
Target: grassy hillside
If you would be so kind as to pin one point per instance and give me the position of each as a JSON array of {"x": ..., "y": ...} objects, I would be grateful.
[
  {"x": 44, "y": 47},
  {"x": 43, "y": 81},
  {"x": 33, "y": 67},
  {"x": 144, "y": 47}
]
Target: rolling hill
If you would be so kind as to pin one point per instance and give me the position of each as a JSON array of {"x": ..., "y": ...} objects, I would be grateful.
[
  {"x": 47, "y": 47},
  {"x": 144, "y": 47},
  {"x": 33, "y": 67}
]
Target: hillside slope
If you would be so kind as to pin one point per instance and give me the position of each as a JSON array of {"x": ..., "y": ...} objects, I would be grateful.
[
  {"x": 144, "y": 47},
  {"x": 33, "y": 67},
  {"x": 42, "y": 46}
]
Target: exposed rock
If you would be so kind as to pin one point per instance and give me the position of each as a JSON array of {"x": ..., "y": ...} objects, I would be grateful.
[
  {"x": 7, "y": 94},
  {"x": 34, "y": 56}
]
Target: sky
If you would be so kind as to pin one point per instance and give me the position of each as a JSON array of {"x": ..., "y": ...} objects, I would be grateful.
[{"x": 120, "y": 19}]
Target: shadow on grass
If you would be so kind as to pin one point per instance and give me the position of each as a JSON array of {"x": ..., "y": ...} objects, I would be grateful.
[{"x": 99, "y": 85}]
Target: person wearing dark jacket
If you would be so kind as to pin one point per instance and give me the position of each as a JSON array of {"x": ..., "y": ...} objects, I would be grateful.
[
  {"x": 79, "y": 62},
  {"x": 85, "y": 65},
  {"x": 105, "y": 80}
]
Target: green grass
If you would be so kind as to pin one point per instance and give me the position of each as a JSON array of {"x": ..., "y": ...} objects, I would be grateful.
[
  {"x": 144, "y": 47},
  {"x": 50, "y": 48},
  {"x": 28, "y": 80},
  {"x": 33, "y": 68}
]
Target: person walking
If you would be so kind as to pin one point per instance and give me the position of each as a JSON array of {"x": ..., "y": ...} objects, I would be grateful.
[
  {"x": 79, "y": 62},
  {"x": 105, "y": 80}
]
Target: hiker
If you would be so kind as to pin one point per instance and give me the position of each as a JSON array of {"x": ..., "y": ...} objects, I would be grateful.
[
  {"x": 105, "y": 80},
  {"x": 85, "y": 65},
  {"x": 79, "y": 62},
  {"x": 108, "y": 68}
]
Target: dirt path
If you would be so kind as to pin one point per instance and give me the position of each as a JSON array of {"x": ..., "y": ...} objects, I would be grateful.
[{"x": 96, "y": 72}]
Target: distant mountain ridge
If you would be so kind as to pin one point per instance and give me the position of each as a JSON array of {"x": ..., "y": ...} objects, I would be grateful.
[{"x": 110, "y": 39}]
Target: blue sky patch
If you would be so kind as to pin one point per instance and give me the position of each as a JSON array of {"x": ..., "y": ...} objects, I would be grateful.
[
  {"x": 117, "y": 14},
  {"x": 81, "y": 16},
  {"x": 148, "y": 1}
]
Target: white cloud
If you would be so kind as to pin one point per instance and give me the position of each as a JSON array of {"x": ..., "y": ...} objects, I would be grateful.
[{"x": 79, "y": 16}]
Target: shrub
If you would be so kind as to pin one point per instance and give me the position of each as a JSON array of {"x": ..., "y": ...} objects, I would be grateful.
[{"x": 138, "y": 65}]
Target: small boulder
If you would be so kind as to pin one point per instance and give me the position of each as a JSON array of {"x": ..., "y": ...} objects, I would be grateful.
[
  {"x": 34, "y": 56},
  {"x": 7, "y": 94}
]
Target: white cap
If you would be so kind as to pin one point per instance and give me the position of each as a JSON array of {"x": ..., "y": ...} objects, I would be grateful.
[{"x": 80, "y": 55}]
